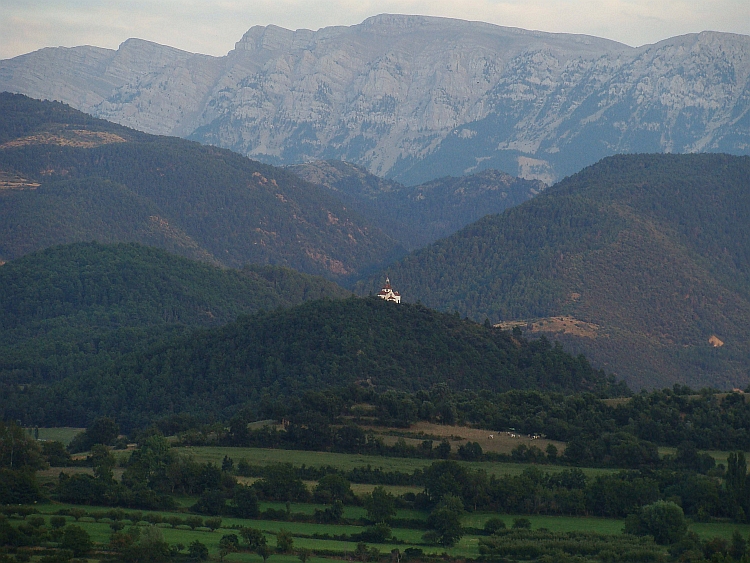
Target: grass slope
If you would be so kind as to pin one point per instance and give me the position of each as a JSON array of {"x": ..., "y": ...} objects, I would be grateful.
[{"x": 650, "y": 251}]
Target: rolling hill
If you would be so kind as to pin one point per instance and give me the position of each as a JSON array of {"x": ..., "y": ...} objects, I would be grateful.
[
  {"x": 67, "y": 177},
  {"x": 419, "y": 215},
  {"x": 314, "y": 346},
  {"x": 67, "y": 309},
  {"x": 642, "y": 262}
]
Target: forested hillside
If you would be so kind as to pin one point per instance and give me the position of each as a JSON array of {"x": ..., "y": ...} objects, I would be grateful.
[
  {"x": 418, "y": 215},
  {"x": 313, "y": 346},
  {"x": 644, "y": 260},
  {"x": 70, "y": 308},
  {"x": 67, "y": 177}
]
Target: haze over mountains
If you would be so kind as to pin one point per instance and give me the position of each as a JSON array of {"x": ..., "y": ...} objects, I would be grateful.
[
  {"x": 419, "y": 215},
  {"x": 414, "y": 98}
]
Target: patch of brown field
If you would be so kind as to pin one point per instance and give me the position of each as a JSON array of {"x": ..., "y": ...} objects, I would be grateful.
[
  {"x": 565, "y": 325},
  {"x": 10, "y": 181},
  {"x": 79, "y": 138},
  {"x": 502, "y": 442}
]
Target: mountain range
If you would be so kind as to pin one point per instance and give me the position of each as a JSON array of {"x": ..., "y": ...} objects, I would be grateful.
[
  {"x": 414, "y": 98},
  {"x": 642, "y": 262}
]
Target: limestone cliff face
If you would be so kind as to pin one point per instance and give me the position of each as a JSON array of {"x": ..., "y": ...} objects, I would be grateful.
[{"x": 417, "y": 97}]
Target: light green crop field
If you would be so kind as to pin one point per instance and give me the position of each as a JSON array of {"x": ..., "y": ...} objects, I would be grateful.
[
  {"x": 63, "y": 434},
  {"x": 264, "y": 456}
]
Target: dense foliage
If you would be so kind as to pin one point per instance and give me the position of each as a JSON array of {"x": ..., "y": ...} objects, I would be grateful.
[
  {"x": 97, "y": 180},
  {"x": 71, "y": 308},
  {"x": 312, "y": 346},
  {"x": 651, "y": 249}
]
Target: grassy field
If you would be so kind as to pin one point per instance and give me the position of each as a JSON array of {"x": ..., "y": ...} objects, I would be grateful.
[
  {"x": 263, "y": 456},
  {"x": 467, "y": 547},
  {"x": 64, "y": 435}
]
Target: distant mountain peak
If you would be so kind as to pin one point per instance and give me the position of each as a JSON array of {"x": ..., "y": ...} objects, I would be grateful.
[{"x": 417, "y": 97}]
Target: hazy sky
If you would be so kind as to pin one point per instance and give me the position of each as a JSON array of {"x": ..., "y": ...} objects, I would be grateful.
[{"x": 212, "y": 27}]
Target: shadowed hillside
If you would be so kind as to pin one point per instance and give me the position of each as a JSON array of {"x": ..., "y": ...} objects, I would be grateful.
[
  {"x": 67, "y": 177},
  {"x": 647, "y": 256}
]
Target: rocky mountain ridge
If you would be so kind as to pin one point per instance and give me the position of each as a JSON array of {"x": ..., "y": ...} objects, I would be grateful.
[
  {"x": 414, "y": 98},
  {"x": 418, "y": 215}
]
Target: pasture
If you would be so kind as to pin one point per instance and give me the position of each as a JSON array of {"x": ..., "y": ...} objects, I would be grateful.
[{"x": 346, "y": 462}]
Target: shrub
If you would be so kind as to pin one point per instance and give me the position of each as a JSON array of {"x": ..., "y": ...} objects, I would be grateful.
[{"x": 493, "y": 525}]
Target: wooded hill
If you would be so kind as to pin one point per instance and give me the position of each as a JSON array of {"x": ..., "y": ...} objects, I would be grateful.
[
  {"x": 67, "y": 177},
  {"x": 314, "y": 346},
  {"x": 646, "y": 258},
  {"x": 70, "y": 308},
  {"x": 419, "y": 215}
]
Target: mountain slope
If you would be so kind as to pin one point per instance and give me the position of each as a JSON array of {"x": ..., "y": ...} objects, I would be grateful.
[
  {"x": 419, "y": 215},
  {"x": 416, "y": 98},
  {"x": 644, "y": 260},
  {"x": 67, "y": 177},
  {"x": 71, "y": 308},
  {"x": 313, "y": 346}
]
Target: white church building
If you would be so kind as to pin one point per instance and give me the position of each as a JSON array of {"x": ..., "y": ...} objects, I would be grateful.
[{"x": 388, "y": 294}]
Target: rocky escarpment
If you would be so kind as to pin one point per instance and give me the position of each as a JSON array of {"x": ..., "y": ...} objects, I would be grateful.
[{"x": 415, "y": 97}]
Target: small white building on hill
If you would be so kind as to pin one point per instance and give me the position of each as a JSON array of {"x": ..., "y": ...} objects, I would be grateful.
[{"x": 388, "y": 294}]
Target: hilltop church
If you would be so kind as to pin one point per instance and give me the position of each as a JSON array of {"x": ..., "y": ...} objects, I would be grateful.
[{"x": 388, "y": 294}]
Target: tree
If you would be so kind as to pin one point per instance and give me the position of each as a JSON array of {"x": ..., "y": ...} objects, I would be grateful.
[
  {"x": 17, "y": 449},
  {"x": 664, "y": 520},
  {"x": 104, "y": 431},
  {"x": 77, "y": 540},
  {"x": 211, "y": 502},
  {"x": 253, "y": 537},
  {"x": 521, "y": 524},
  {"x": 198, "y": 551},
  {"x": 445, "y": 520},
  {"x": 333, "y": 487},
  {"x": 213, "y": 523},
  {"x": 103, "y": 463},
  {"x": 284, "y": 541},
  {"x": 264, "y": 551},
  {"x": 493, "y": 525},
  {"x": 443, "y": 478},
  {"x": 380, "y": 505},
  {"x": 228, "y": 543},
  {"x": 245, "y": 502},
  {"x": 227, "y": 463},
  {"x": 194, "y": 521}
]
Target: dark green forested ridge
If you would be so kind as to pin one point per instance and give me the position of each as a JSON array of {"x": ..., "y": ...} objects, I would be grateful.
[
  {"x": 652, "y": 249},
  {"x": 67, "y": 177},
  {"x": 419, "y": 215},
  {"x": 316, "y": 345},
  {"x": 68, "y": 308}
]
